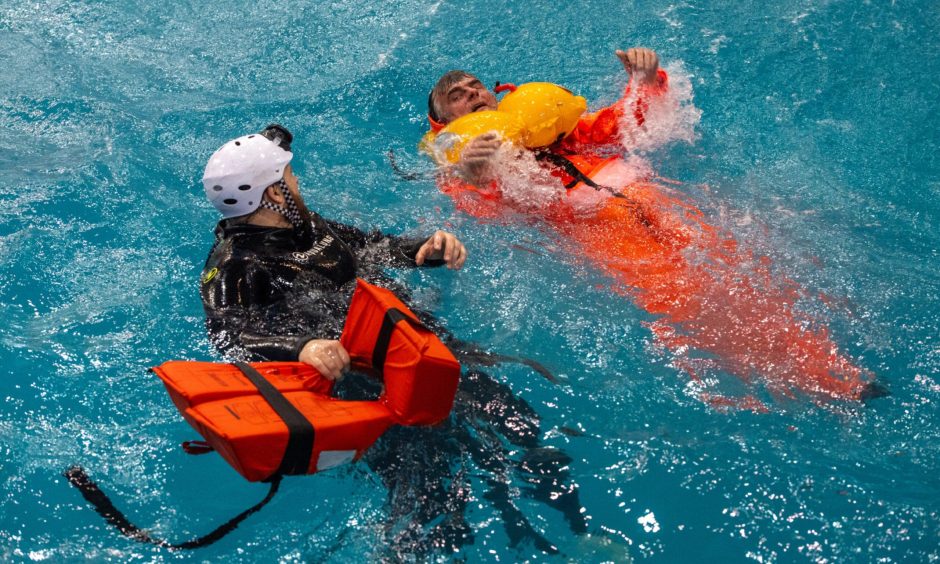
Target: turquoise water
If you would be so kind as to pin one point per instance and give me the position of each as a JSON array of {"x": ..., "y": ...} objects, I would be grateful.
[{"x": 817, "y": 145}]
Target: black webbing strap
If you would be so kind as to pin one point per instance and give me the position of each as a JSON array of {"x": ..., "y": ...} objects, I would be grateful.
[
  {"x": 578, "y": 176},
  {"x": 102, "y": 504},
  {"x": 380, "y": 351},
  {"x": 197, "y": 447},
  {"x": 402, "y": 173},
  {"x": 569, "y": 168},
  {"x": 300, "y": 431}
]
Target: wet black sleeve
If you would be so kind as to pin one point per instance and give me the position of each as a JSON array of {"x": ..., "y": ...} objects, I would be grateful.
[
  {"x": 243, "y": 316},
  {"x": 390, "y": 250}
]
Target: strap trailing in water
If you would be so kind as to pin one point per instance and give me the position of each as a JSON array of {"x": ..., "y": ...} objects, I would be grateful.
[
  {"x": 102, "y": 504},
  {"x": 197, "y": 447},
  {"x": 404, "y": 174},
  {"x": 470, "y": 353},
  {"x": 296, "y": 460}
]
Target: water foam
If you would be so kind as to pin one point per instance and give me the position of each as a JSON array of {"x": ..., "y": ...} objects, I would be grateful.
[{"x": 667, "y": 118}]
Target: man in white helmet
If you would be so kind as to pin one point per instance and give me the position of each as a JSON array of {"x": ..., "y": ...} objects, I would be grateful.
[
  {"x": 278, "y": 280},
  {"x": 277, "y": 285}
]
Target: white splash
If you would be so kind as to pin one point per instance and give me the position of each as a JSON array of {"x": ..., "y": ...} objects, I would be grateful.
[
  {"x": 670, "y": 117},
  {"x": 650, "y": 525},
  {"x": 523, "y": 181}
]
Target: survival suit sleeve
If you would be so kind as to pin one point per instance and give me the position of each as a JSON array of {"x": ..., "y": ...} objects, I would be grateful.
[
  {"x": 392, "y": 250},
  {"x": 482, "y": 203},
  {"x": 241, "y": 308},
  {"x": 603, "y": 126}
]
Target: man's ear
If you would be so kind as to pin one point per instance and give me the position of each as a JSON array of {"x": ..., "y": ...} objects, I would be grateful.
[{"x": 274, "y": 195}]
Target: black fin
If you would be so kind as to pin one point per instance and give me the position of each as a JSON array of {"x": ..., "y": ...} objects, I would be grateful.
[
  {"x": 873, "y": 390},
  {"x": 470, "y": 353}
]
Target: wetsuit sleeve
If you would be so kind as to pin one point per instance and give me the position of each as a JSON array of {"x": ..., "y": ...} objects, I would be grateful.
[
  {"x": 390, "y": 250},
  {"x": 242, "y": 313},
  {"x": 603, "y": 126}
]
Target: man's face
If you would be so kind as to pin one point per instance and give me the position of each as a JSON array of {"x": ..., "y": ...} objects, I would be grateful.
[{"x": 464, "y": 97}]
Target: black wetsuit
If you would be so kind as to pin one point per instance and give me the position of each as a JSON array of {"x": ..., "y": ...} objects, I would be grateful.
[{"x": 267, "y": 291}]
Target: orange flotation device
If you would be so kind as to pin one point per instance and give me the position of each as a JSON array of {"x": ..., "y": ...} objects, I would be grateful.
[{"x": 269, "y": 419}]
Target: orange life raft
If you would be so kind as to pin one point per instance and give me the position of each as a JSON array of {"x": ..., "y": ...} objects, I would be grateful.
[{"x": 278, "y": 418}]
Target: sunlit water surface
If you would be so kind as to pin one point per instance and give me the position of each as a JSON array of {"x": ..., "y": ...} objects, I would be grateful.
[{"x": 809, "y": 132}]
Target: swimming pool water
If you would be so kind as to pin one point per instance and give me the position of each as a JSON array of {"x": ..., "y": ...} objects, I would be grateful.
[{"x": 816, "y": 145}]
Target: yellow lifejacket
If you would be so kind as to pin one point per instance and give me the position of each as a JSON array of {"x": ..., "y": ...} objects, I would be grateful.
[
  {"x": 535, "y": 115},
  {"x": 448, "y": 143},
  {"x": 549, "y": 112}
]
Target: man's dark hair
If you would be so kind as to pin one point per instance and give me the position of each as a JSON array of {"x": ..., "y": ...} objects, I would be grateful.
[{"x": 443, "y": 84}]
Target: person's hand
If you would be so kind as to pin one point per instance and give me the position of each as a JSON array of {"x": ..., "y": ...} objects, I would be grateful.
[
  {"x": 640, "y": 62},
  {"x": 328, "y": 357},
  {"x": 442, "y": 245},
  {"x": 476, "y": 156}
]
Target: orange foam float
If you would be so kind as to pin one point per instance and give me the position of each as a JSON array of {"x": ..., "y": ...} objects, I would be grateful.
[{"x": 268, "y": 419}]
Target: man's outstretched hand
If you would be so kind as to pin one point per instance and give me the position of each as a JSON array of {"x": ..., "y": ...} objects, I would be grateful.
[
  {"x": 442, "y": 246},
  {"x": 641, "y": 63}
]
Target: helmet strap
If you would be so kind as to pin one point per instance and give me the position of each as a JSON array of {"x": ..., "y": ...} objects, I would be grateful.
[{"x": 289, "y": 210}]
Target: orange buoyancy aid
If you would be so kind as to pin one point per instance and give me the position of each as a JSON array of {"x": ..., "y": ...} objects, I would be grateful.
[
  {"x": 268, "y": 419},
  {"x": 383, "y": 336}
]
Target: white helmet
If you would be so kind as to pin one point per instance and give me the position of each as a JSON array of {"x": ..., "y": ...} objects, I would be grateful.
[{"x": 239, "y": 172}]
